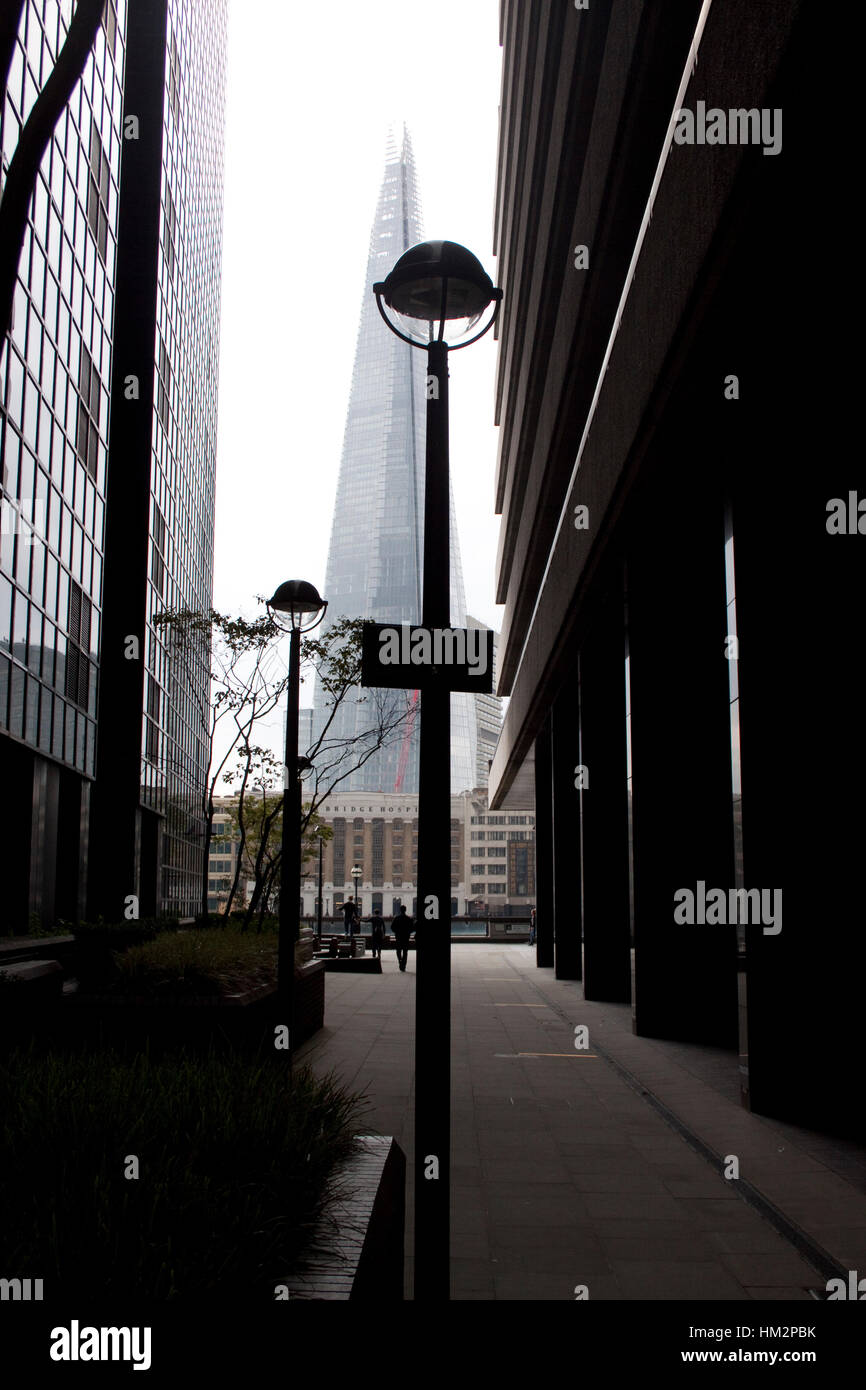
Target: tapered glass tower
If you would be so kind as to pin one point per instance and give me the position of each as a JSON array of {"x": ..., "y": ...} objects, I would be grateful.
[{"x": 375, "y": 555}]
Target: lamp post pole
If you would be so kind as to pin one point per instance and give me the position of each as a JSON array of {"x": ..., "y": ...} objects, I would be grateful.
[
  {"x": 290, "y": 856},
  {"x": 306, "y": 609},
  {"x": 319, "y": 906},
  {"x": 433, "y": 933},
  {"x": 357, "y": 876}
]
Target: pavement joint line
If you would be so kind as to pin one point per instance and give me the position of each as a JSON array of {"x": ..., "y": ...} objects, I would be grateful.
[
  {"x": 820, "y": 1259},
  {"x": 576, "y": 1056}
]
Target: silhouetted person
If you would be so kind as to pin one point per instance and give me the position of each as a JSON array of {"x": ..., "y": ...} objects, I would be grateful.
[
  {"x": 377, "y": 923},
  {"x": 402, "y": 926},
  {"x": 350, "y": 916}
]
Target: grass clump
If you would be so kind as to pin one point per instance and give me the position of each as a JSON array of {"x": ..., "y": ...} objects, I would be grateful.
[
  {"x": 235, "y": 1162},
  {"x": 201, "y": 961}
]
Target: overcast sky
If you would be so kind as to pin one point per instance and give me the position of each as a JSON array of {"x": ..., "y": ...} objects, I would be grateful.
[{"x": 311, "y": 90}]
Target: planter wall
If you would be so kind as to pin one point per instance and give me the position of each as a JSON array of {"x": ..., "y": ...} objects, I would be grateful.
[
  {"x": 309, "y": 1000},
  {"x": 361, "y": 1236},
  {"x": 243, "y": 1021}
]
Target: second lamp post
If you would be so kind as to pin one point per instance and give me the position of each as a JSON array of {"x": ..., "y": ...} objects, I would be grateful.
[{"x": 300, "y": 603}]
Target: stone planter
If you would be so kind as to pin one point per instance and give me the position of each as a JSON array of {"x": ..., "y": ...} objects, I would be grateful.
[
  {"x": 309, "y": 1000},
  {"x": 128, "y": 1022},
  {"x": 360, "y": 1238}
]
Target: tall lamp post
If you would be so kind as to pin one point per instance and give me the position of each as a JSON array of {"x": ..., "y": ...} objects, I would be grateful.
[
  {"x": 319, "y": 899},
  {"x": 299, "y": 603},
  {"x": 435, "y": 288},
  {"x": 303, "y": 764}
]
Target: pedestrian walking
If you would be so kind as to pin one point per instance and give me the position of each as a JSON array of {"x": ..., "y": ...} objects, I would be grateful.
[
  {"x": 532, "y": 926},
  {"x": 402, "y": 926},
  {"x": 377, "y": 923}
]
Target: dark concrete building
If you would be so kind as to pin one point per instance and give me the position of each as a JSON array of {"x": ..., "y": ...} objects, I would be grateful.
[
  {"x": 108, "y": 395},
  {"x": 678, "y": 641}
]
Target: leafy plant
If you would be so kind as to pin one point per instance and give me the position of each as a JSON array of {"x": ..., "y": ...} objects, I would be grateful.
[
  {"x": 236, "y": 1162},
  {"x": 204, "y": 961}
]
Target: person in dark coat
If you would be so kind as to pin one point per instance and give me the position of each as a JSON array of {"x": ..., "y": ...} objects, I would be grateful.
[
  {"x": 402, "y": 926},
  {"x": 350, "y": 916},
  {"x": 377, "y": 923}
]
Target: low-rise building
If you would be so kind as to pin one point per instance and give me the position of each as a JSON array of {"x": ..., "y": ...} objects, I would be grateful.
[
  {"x": 500, "y": 858},
  {"x": 223, "y": 856},
  {"x": 492, "y": 857}
]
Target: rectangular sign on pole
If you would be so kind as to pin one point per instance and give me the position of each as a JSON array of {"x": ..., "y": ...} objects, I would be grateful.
[{"x": 405, "y": 657}]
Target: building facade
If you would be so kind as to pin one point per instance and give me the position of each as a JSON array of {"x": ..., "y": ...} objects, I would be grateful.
[
  {"x": 500, "y": 858},
  {"x": 376, "y": 548},
  {"x": 223, "y": 858},
  {"x": 670, "y": 494},
  {"x": 109, "y": 381},
  {"x": 379, "y": 836}
]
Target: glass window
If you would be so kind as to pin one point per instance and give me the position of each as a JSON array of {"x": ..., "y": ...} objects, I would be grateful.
[
  {"x": 10, "y": 462},
  {"x": 6, "y": 604},
  {"x": 16, "y": 701},
  {"x": 15, "y": 398},
  {"x": 57, "y": 735},
  {"x": 51, "y": 570},
  {"x": 89, "y": 400},
  {"x": 31, "y": 731}
]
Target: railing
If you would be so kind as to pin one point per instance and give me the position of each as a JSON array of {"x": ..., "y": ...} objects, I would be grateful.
[{"x": 462, "y": 928}]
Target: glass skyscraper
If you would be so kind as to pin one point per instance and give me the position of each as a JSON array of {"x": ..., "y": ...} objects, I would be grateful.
[
  {"x": 488, "y": 716},
  {"x": 376, "y": 551},
  {"x": 109, "y": 388}
]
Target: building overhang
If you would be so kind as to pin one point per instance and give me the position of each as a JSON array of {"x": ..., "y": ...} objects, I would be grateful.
[
  {"x": 686, "y": 234},
  {"x": 518, "y": 794}
]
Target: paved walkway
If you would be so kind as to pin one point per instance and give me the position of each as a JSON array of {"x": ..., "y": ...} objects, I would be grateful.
[{"x": 579, "y": 1168}]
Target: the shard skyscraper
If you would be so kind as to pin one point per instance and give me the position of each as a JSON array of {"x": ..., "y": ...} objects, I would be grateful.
[{"x": 375, "y": 556}]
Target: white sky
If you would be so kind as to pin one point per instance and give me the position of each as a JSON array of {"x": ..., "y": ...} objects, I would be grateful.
[{"x": 311, "y": 90}]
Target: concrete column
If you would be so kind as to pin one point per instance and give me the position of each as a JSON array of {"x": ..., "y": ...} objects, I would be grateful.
[
  {"x": 604, "y": 808},
  {"x": 16, "y": 770},
  {"x": 72, "y": 838},
  {"x": 544, "y": 847},
  {"x": 565, "y": 732},
  {"x": 114, "y": 842},
  {"x": 684, "y": 973},
  {"x": 799, "y": 589}
]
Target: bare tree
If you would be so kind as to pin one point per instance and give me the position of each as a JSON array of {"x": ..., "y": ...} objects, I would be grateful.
[
  {"x": 244, "y": 688},
  {"x": 335, "y": 658},
  {"x": 247, "y": 684}
]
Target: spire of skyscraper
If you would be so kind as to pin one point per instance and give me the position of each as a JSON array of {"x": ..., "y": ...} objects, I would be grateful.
[{"x": 375, "y": 554}]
